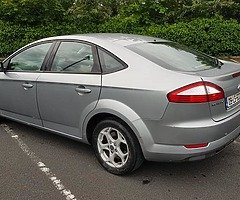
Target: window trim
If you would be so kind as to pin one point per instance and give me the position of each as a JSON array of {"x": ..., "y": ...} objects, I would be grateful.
[
  {"x": 49, "y": 58},
  {"x": 55, "y": 50},
  {"x": 125, "y": 66},
  {"x": 45, "y": 60}
]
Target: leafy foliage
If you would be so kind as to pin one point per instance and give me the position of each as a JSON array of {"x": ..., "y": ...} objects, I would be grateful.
[
  {"x": 214, "y": 36},
  {"x": 31, "y": 12},
  {"x": 211, "y": 26},
  {"x": 228, "y": 9}
]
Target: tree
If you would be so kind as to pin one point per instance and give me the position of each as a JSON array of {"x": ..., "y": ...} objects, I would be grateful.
[{"x": 31, "y": 12}]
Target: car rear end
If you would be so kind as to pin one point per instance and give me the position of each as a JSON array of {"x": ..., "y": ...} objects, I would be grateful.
[{"x": 203, "y": 116}]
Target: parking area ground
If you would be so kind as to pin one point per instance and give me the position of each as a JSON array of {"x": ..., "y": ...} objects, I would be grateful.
[{"x": 69, "y": 170}]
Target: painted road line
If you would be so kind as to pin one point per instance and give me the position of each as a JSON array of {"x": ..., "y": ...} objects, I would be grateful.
[
  {"x": 236, "y": 142},
  {"x": 35, "y": 159}
]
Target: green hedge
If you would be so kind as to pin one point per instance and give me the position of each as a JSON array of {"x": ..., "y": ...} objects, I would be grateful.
[
  {"x": 214, "y": 36},
  {"x": 12, "y": 36}
]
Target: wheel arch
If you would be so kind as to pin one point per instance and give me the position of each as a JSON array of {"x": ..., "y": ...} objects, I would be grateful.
[
  {"x": 112, "y": 108},
  {"x": 109, "y": 109},
  {"x": 92, "y": 123},
  {"x": 95, "y": 119}
]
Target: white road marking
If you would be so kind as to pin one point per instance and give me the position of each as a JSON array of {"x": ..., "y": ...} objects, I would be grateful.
[
  {"x": 236, "y": 141},
  {"x": 55, "y": 181}
]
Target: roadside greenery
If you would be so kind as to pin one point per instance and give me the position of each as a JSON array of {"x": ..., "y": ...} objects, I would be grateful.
[{"x": 211, "y": 26}]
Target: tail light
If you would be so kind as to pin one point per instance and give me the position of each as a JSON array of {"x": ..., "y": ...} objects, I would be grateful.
[
  {"x": 236, "y": 75},
  {"x": 198, "y": 92},
  {"x": 196, "y": 146}
]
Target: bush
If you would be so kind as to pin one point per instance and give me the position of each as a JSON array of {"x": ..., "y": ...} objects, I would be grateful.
[
  {"x": 214, "y": 36},
  {"x": 32, "y": 12},
  {"x": 131, "y": 24},
  {"x": 228, "y": 9},
  {"x": 215, "y": 32},
  {"x": 12, "y": 36}
]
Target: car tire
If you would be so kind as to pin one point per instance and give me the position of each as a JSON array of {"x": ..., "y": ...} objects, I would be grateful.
[{"x": 116, "y": 147}]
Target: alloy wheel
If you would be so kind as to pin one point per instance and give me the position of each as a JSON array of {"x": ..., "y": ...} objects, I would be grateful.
[{"x": 113, "y": 147}]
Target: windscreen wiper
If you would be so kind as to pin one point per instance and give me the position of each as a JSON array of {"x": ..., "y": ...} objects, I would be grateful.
[{"x": 85, "y": 58}]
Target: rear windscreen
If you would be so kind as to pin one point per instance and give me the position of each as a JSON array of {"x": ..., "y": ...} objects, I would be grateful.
[{"x": 174, "y": 56}]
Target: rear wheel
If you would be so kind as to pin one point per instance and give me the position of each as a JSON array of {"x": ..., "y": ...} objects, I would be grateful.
[{"x": 116, "y": 147}]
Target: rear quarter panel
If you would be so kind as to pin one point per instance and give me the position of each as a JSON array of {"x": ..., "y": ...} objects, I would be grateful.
[{"x": 143, "y": 86}]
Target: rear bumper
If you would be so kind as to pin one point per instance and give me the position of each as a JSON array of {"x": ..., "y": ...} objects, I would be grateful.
[
  {"x": 218, "y": 136},
  {"x": 168, "y": 153}
]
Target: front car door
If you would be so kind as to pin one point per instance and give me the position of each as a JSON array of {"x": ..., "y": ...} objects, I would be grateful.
[
  {"x": 70, "y": 89},
  {"x": 18, "y": 84}
]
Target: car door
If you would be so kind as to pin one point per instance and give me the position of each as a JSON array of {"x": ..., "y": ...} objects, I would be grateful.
[
  {"x": 70, "y": 88},
  {"x": 18, "y": 83}
]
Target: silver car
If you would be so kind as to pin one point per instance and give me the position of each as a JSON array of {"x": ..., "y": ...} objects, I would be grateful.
[{"x": 131, "y": 97}]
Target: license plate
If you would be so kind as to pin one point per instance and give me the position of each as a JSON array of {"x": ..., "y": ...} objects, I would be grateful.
[{"x": 232, "y": 101}]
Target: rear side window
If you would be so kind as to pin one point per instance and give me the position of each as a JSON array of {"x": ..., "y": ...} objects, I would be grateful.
[
  {"x": 110, "y": 63},
  {"x": 174, "y": 56},
  {"x": 74, "y": 57}
]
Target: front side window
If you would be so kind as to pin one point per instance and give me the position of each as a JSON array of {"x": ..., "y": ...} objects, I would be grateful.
[
  {"x": 109, "y": 63},
  {"x": 30, "y": 59},
  {"x": 74, "y": 57}
]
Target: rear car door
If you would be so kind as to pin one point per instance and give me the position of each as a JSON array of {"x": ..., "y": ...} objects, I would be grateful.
[
  {"x": 70, "y": 89},
  {"x": 18, "y": 83}
]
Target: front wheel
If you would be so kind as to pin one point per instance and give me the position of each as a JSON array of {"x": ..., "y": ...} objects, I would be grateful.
[{"x": 116, "y": 147}]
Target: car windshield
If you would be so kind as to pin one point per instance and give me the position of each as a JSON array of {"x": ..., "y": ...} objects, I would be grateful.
[{"x": 174, "y": 56}]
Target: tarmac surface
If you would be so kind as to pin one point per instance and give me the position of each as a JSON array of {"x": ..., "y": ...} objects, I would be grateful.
[{"x": 36, "y": 164}]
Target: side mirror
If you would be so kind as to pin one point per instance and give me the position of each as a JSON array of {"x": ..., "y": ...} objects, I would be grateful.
[
  {"x": 3, "y": 69},
  {"x": 1, "y": 66}
]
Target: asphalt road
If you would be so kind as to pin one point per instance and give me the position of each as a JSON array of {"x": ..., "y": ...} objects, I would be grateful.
[{"x": 69, "y": 170}]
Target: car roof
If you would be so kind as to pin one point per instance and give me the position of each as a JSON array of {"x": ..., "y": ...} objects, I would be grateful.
[{"x": 116, "y": 38}]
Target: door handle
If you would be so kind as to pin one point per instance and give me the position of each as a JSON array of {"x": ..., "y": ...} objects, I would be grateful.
[
  {"x": 82, "y": 90},
  {"x": 27, "y": 86}
]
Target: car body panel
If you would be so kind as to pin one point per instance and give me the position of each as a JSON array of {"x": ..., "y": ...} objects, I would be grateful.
[
  {"x": 223, "y": 77},
  {"x": 143, "y": 87},
  {"x": 189, "y": 127},
  {"x": 16, "y": 100},
  {"x": 113, "y": 107},
  {"x": 177, "y": 153},
  {"x": 57, "y": 96}
]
